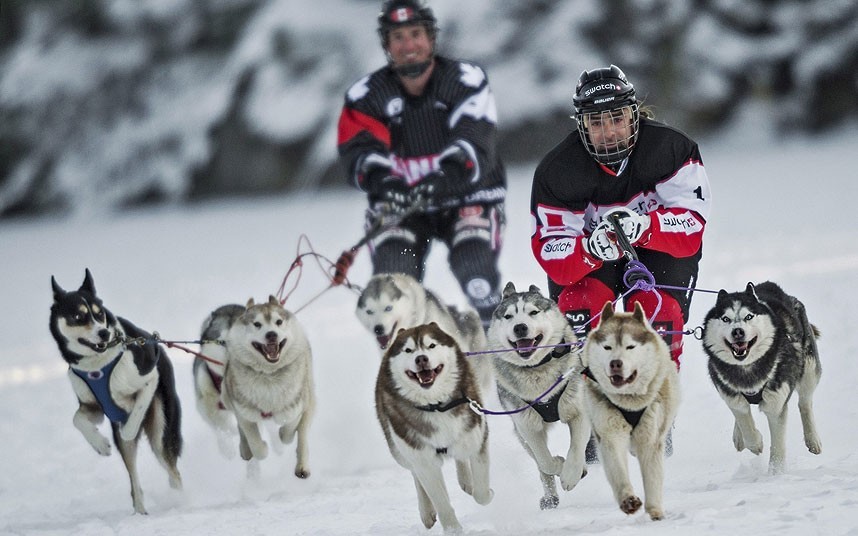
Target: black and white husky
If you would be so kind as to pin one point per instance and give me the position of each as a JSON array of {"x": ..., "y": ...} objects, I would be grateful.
[
  {"x": 542, "y": 348},
  {"x": 118, "y": 370},
  {"x": 422, "y": 399},
  {"x": 761, "y": 348}
]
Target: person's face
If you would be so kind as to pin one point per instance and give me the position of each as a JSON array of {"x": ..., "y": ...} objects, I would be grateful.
[
  {"x": 610, "y": 131},
  {"x": 409, "y": 45}
]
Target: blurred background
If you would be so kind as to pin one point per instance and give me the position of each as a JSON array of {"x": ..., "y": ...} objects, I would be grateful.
[{"x": 111, "y": 104}]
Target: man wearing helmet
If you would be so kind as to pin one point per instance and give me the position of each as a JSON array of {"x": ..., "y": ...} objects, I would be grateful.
[
  {"x": 419, "y": 137},
  {"x": 620, "y": 161}
]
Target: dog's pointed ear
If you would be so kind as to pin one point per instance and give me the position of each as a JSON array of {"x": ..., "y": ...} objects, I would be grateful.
[
  {"x": 272, "y": 300},
  {"x": 250, "y": 303},
  {"x": 639, "y": 313},
  {"x": 58, "y": 290},
  {"x": 508, "y": 290},
  {"x": 88, "y": 283},
  {"x": 751, "y": 290},
  {"x": 722, "y": 295},
  {"x": 607, "y": 311},
  {"x": 534, "y": 288}
]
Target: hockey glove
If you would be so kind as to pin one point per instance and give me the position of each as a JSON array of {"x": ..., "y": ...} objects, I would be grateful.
[
  {"x": 447, "y": 187},
  {"x": 600, "y": 245},
  {"x": 633, "y": 224},
  {"x": 393, "y": 196}
]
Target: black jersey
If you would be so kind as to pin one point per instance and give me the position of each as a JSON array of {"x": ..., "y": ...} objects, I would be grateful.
[
  {"x": 664, "y": 177},
  {"x": 408, "y": 134}
]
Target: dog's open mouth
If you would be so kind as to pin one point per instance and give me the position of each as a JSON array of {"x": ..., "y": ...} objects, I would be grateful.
[
  {"x": 97, "y": 347},
  {"x": 618, "y": 380},
  {"x": 384, "y": 340},
  {"x": 740, "y": 349},
  {"x": 270, "y": 350},
  {"x": 425, "y": 377},
  {"x": 526, "y": 347}
]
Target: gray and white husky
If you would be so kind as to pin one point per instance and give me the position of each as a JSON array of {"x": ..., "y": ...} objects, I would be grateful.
[
  {"x": 268, "y": 378},
  {"x": 541, "y": 344},
  {"x": 632, "y": 397},
  {"x": 761, "y": 348},
  {"x": 391, "y": 302},
  {"x": 118, "y": 370},
  {"x": 422, "y": 398}
]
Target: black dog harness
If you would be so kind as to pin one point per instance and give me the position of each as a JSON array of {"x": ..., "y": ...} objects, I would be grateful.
[
  {"x": 548, "y": 409},
  {"x": 98, "y": 382}
]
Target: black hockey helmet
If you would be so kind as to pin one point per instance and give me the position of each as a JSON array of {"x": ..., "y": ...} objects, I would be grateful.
[
  {"x": 396, "y": 13},
  {"x": 606, "y": 90}
]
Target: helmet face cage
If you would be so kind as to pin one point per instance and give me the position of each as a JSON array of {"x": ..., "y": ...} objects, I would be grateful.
[
  {"x": 607, "y": 114},
  {"x": 610, "y": 135}
]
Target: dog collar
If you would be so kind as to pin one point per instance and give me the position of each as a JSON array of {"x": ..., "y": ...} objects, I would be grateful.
[
  {"x": 559, "y": 351},
  {"x": 445, "y": 407}
]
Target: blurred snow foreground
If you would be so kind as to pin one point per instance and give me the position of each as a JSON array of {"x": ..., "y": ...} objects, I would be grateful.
[
  {"x": 106, "y": 104},
  {"x": 167, "y": 268}
]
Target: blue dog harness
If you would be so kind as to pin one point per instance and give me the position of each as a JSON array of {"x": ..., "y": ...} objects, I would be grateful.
[{"x": 98, "y": 382}]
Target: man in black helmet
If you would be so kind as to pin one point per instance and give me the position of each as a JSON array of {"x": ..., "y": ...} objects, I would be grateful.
[
  {"x": 419, "y": 137},
  {"x": 620, "y": 161}
]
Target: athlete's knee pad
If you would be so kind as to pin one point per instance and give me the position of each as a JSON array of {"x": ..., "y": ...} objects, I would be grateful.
[
  {"x": 582, "y": 302},
  {"x": 474, "y": 264},
  {"x": 668, "y": 319}
]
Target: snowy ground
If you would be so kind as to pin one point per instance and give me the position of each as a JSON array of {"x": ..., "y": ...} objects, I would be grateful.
[{"x": 781, "y": 212}]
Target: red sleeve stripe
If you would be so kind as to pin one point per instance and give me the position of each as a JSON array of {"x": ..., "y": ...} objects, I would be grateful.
[{"x": 353, "y": 123}]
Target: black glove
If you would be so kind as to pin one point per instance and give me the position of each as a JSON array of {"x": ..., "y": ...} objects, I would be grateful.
[
  {"x": 392, "y": 196},
  {"x": 446, "y": 188}
]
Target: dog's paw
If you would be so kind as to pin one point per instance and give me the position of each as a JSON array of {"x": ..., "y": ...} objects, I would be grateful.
[
  {"x": 572, "y": 474},
  {"x": 814, "y": 445},
  {"x": 428, "y": 518},
  {"x": 484, "y": 497},
  {"x": 302, "y": 472},
  {"x": 630, "y": 504},
  {"x": 100, "y": 444},
  {"x": 129, "y": 431},
  {"x": 549, "y": 502},
  {"x": 554, "y": 467},
  {"x": 753, "y": 444},
  {"x": 655, "y": 514},
  {"x": 260, "y": 451}
]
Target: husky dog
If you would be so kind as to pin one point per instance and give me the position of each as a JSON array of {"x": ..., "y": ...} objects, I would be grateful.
[
  {"x": 391, "y": 302},
  {"x": 422, "y": 395},
  {"x": 208, "y": 375},
  {"x": 632, "y": 397},
  {"x": 540, "y": 343},
  {"x": 268, "y": 377},
  {"x": 130, "y": 382},
  {"x": 761, "y": 348}
]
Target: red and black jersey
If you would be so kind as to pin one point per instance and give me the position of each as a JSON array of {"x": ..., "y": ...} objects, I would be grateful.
[
  {"x": 664, "y": 177},
  {"x": 381, "y": 121}
]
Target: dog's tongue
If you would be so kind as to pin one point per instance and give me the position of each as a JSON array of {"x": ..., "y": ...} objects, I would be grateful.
[
  {"x": 426, "y": 377},
  {"x": 271, "y": 351},
  {"x": 739, "y": 348},
  {"x": 617, "y": 380}
]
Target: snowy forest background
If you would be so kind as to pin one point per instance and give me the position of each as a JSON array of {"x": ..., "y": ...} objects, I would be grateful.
[{"x": 106, "y": 104}]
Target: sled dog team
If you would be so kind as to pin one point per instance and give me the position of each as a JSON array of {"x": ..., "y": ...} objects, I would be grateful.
[{"x": 618, "y": 384}]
